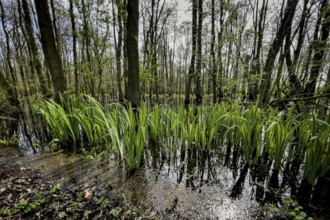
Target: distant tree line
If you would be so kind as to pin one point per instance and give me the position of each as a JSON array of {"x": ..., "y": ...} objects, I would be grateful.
[{"x": 116, "y": 50}]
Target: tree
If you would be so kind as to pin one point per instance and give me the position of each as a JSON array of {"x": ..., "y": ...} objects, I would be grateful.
[
  {"x": 214, "y": 66},
  {"x": 51, "y": 53},
  {"x": 275, "y": 47},
  {"x": 319, "y": 46},
  {"x": 118, "y": 43},
  {"x": 296, "y": 87},
  {"x": 74, "y": 47},
  {"x": 133, "y": 84},
  {"x": 191, "y": 71},
  {"x": 199, "y": 96},
  {"x": 259, "y": 26},
  {"x": 34, "y": 49}
]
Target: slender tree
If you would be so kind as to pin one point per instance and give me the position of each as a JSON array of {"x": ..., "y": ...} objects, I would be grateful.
[
  {"x": 34, "y": 49},
  {"x": 214, "y": 65},
  {"x": 295, "y": 84},
  {"x": 259, "y": 26},
  {"x": 319, "y": 45},
  {"x": 199, "y": 96},
  {"x": 74, "y": 46},
  {"x": 50, "y": 50},
  {"x": 133, "y": 84},
  {"x": 275, "y": 47},
  {"x": 191, "y": 71},
  {"x": 118, "y": 44}
]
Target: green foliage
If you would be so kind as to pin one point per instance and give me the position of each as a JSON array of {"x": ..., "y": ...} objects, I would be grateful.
[
  {"x": 55, "y": 188},
  {"x": 171, "y": 202},
  {"x": 12, "y": 141},
  {"x": 102, "y": 202},
  {"x": 28, "y": 206},
  {"x": 317, "y": 160},
  {"x": 74, "y": 206},
  {"x": 54, "y": 144},
  {"x": 115, "y": 212},
  {"x": 290, "y": 209},
  {"x": 5, "y": 212},
  {"x": 250, "y": 131},
  {"x": 281, "y": 134},
  {"x": 125, "y": 131}
]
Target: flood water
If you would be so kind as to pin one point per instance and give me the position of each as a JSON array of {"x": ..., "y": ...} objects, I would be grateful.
[
  {"x": 176, "y": 181},
  {"x": 165, "y": 189}
]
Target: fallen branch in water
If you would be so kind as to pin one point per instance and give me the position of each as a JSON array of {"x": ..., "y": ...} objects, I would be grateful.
[
  {"x": 299, "y": 99},
  {"x": 7, "y": 118}
]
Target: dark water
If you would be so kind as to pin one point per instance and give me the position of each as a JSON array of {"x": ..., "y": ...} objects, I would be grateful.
[
  {"x": 159, "y": 187},
  {"x": 176, "y": 181}
]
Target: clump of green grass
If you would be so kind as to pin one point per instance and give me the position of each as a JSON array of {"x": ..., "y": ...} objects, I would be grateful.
[{"x": 125, "y": 131}]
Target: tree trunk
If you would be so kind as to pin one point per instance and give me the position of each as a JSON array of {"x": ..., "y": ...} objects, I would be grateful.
[
  {"x": 51, "y": 53},
  {"x": 199, "y": 97},
  {"x": 133, "y": 85},
  {"x": 292, "y": 65},
  {"x": 284, "y": 26},
  {"x": 319, "y": 45},
  {"x": 214, "y": 66},
  {"x": 34, "y": 49},
  {"x": 125, "y": 53},
  {"x": 191, "y": 71},
  {"x": 74, "y": 47},
  {"x": 119, "y": 45},
  {"x": 220, "y": 44},
  {"x": 87, "y": 42},
  {"x": 256, "y": 66},
  {"x": 4, "y": 83}
]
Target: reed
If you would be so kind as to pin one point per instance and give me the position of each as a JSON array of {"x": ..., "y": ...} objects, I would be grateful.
[
  {"x": 317, "y": 160},
  {"x": 250, "y": 132},
  {"x": 125, "y": 131}
]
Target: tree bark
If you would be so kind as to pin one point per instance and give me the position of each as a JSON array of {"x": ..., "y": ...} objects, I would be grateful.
[
  {"x": 319, "y": 45},
  {"x": 74, "y": 47},
  {"x": 34, "y": 49},
  {"x": 284, "y": 26},
  {"x": 199, "y": 97},
  {"x": 87, "y": 42},
  {"x": 191, "y": 71},
  {"x": 51, "y": 53},
  {"x": 219, "y": 52},
  {"x": 133, "y": 84},
  {"x": 214, "y": 65},
  {"x": 118, "y": 46},
  {"x": 256, "y": 66},
  {"x": 292, "y": 65}
]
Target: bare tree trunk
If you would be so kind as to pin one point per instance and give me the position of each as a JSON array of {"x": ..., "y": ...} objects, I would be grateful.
[
  {"x": 87, "y": 41},
  {"x": 214, "y": 65},
  {"x": 296, "y": 87},
  {"x": 284, "y": 26},
  {"x": 191, "y": 71},
  {"x": 133, "y": 89},
  {"x": 319, "y": 46},
  {"x": 34, "y": 49},
  {"x": 51, "y": 53},
  {"x": 125, "y": 62},
  {"x": 4, "y": 82},
  {"x": 256, "y": 66},
  {"x": 220, "y": 45},
  {"x": 199, "y": 97},
  {"x": 55, "y": 29},
  {"x": 118, "y": 46},
  {"x": 74, "y": 47}
]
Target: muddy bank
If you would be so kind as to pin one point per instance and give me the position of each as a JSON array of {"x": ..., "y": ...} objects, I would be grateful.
[{"x": 26, "y": 193}]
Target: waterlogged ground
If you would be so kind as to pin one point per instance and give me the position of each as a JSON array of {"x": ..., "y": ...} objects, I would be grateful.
[{"x": 101, "y": 187}]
